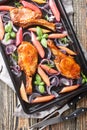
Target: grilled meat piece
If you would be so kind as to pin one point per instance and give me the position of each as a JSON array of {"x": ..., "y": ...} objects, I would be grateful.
[
  {"x": 64, "y": 63},
  {"x": 25, "y": 17},
  {"x": 27, "y": 60}
]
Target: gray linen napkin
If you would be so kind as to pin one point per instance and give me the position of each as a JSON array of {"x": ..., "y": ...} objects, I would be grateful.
[{"x": 4, "y": 76}]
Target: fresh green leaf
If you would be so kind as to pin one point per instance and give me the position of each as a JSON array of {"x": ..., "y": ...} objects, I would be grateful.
[
  {"x": 45, "y": 36},
  {"x": 83, "y": 81},
  {"x": 8, "y": 27},
  {"x": 39, "y": 83},
  {"x": 38, "y": 78},
  {"x": 39, "y": 38},
  {"x": 44, "y": 42},
  {"x": 50, "y": 65},
  {"x": 47, "y": 17},
  {"x": 35, "y": 82},
  {"x": 84, "y": 78},
  {"x": 17, "y": 4},
  {"x": 42, "y": 83},
  {"x": 13, "y": 35},
  {"x": 39, "y": 31},
  {"x": 7, "y": 36},
  {"x": 15, "y": 57},
  {"x": 41, "y": 89},
  {"x": 64, "y": 40}
]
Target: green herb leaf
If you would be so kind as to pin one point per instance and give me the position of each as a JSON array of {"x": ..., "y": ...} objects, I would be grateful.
[
  {"x": 42, "y": 83},
  {"x": 38, "y": 78},
  {"x": 45, "y": 36},
  {"x": 7, "y": 36},
  {"x": 64, "y": 40},
  {"x": 83, "y": 81},
  {"x": 41, "y": 89},
  {"x": 39, "y": 31},
  {"x": 17, "y": 4},
  {"x": 13, "y": 35},
  {"x": 44, "y": 42},
  {"x": 35, "y": 82},
  {"x": 39, "y": 38},
  {"x": 8, "y": 27},
  {"x": 84, "y": 78},
  {"x": 47, "y": 17},
  {"x": 50, "y": 65},
  {"x": 15, "y": 57}
]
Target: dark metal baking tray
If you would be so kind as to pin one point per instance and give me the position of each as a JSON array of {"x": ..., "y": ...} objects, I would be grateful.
[{"x": 64, "y": 98}]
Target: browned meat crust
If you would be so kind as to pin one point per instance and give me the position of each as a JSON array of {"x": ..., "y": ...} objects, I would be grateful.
[
  {"x": 64, "y": 63},
  {"x": 25, "y": 17},
  {"x": 27, "y": 60}
]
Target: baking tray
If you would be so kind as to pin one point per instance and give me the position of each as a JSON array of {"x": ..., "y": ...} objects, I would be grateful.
[{"x": 64, "y": 98}]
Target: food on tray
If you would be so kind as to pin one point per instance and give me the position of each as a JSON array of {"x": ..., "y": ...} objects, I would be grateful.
[
  {"x": 27, "y": 60},
  {"x": 1, "y": 29},
  {"x": 64, "y": 63},
  {"x": 38, "y": 48},
  {"x": 25, "y": 17},
  {"x": 23, "y": 93}
]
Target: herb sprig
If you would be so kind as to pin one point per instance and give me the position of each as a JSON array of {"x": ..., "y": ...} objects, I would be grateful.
[
  {"x": 64, "y": 40},
  {"x": 39, "y": 83},
  {"x": 84, "y": 78},
  {"x": 17, "y": 4},
  {"x": 41, "y": 36}
]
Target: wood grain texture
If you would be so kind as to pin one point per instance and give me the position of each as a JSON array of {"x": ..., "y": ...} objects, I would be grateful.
[
  {"x": 80, "y": 26},
  {"x": 8, "y": 99}
]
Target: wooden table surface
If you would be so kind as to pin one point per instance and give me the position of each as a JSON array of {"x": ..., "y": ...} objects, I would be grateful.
[{"x": 8, "y": 99}]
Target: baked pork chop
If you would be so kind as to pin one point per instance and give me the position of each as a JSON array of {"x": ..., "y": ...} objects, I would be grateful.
[
  {"x": 25, "y": 17},
  {"x": 27, "y": 60},
  {"x": 64, "y": 63}
]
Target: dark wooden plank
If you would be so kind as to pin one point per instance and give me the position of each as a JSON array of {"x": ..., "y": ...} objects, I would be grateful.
[
  {"x": 80, "y": 22},
  {"x": 7, "y": 105},
  {"x": 80, "y": 26}
]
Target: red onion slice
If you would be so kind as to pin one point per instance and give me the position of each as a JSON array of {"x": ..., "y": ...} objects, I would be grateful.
[
  {"x": 11, "y": 41},
  {"x": 10, "y": 49},
  {"x": 14, "y": 28},
  {"x": 54, "y": 80},
  {"x": 6, "y": 17},
  {"x": 79, "y": 81},
  {"x": 33, "y": 96},
  {"x": 55, "y": 94},
  {"x": 49, "y": 89},
  {"x": 65, "y": 81},
  {"x": 26, "y": 33},
  {"x": 18, "y": 74},
  {"x": 12, "y": 60},
  {"x": 47, "y": 61},
  {"x": 49, "y": 53},
  {"x": 45, "y": 8},
  {"x": 16, "y": 70}
]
